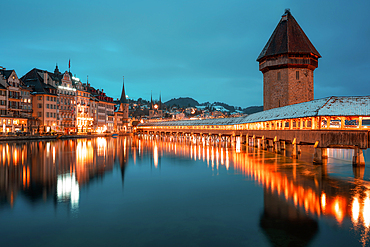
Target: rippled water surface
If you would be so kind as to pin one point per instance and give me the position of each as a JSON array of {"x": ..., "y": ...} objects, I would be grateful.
[{"x": 130, "y": 191}]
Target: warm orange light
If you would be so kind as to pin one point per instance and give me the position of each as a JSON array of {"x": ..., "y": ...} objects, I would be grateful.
[
  {"x": 323, "y": 201},
  {"x": 338, "y": 210},
  {"x": 355, "y": 210}
]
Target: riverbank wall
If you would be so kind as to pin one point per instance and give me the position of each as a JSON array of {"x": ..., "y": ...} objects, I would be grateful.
[{"x": 57, "y": 137}]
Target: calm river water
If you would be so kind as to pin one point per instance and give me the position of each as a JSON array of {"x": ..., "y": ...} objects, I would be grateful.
[{"x": 130, "y": 191}]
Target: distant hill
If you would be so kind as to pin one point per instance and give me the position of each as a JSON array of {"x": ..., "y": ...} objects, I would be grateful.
[
  {"x": 252, "y": 109},
  {"x": 226, "y": 106},
  {"x": 189, "y": 102},
  {"x": 181, "y": 102}
]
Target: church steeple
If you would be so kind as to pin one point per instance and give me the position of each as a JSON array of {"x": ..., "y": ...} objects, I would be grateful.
[
  {"x": 151, "y": 100},
  {"x": 160, "y": 101},
  {"x": 123, "y": 99}
]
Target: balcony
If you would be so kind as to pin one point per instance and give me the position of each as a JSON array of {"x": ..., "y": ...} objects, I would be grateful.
[{"x": 14, "y": 97}]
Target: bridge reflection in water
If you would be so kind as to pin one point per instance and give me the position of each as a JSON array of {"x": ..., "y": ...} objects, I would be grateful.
[{"x": 295, "y": 193}]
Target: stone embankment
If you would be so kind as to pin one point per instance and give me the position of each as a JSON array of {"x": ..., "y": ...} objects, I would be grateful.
[{"x": 55, "y": 137}]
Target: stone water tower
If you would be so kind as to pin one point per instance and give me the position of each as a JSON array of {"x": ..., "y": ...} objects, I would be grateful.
[{"x": 287, "y": 62}]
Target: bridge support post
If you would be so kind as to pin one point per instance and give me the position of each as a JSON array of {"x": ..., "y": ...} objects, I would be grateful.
[
  {"x": 263, "y": 143},
  {"x": 242, "y": 139},
  {"x": 277, "y": 147},
  {"x": 320, "y": 155},
  {"x": 233, "y": 139},
  {"x": 358, "y": 157},
  {"x": 254, "y": 141},
  {"x": 270, "y": 143},
  {"x": 295, "y": 149},
  {"x": 282, "y": 145}
]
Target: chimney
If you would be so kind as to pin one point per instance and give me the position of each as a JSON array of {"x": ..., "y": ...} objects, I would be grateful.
[{"x": 45, "y": 77}]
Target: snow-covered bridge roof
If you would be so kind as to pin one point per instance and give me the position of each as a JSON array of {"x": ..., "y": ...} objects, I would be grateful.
[{"x": 331, "y": 106}]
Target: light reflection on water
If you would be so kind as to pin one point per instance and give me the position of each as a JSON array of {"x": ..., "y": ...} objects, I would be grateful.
[{"x": 295, "y": 193}]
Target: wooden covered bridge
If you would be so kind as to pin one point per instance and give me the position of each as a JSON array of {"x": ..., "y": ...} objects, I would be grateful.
[{"x": 334, "y": 122}]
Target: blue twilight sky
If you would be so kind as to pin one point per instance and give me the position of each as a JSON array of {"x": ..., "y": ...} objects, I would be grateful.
[{"x": 206, "y": 50}]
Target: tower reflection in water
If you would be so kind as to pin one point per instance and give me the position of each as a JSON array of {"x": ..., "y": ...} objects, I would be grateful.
[
  {"x": 296, "y": 194},
  {"x": 56, "y": 170}
]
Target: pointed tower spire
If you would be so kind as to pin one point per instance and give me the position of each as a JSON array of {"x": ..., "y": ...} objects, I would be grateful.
[
  {"x": 160, "y": 101},
  {"x": 151, "y": 100},
  {"x": 123, "y": 99},
  {"x": 288, "y": 38}
]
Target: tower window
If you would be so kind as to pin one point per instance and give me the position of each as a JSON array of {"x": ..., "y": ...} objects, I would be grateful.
[
  {"x": 297, "y": 75},
  {"x": 278, "y": 76}
]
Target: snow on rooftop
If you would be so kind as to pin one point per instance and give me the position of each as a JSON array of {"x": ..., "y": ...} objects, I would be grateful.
[
  {"x": 346, "y": 106},
  {"x": 330, "y": 106}
]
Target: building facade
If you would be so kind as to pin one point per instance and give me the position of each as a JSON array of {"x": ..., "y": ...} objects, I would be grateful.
[
  {"x": 43, "y": 101},
  {"x": 14, "y": 110}
]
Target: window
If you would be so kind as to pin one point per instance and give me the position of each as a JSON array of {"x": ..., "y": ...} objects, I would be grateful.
[
  {"x": 39, "y": 97},
  {"x": 47, "y": 106},
  {"x": 39, "y": 114},
  {"x": 278, "y": 76},
  {"x": 39, "y": 105},
  {"x": 297, "y": 75},
  {"x": 47, "y": 98},
  {"x": 47, "y": 114}
]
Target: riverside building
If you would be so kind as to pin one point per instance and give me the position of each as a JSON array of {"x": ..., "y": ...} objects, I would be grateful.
[{"x": 42, "y": 101}]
